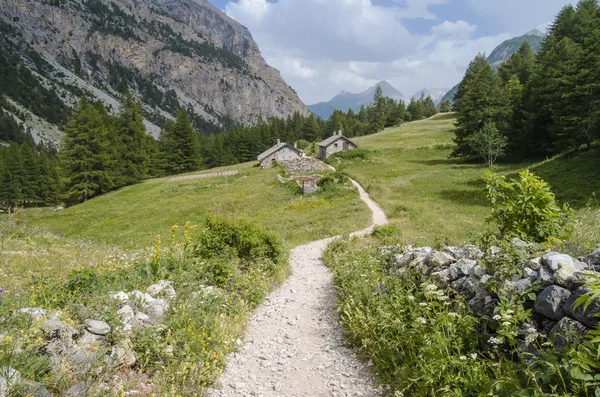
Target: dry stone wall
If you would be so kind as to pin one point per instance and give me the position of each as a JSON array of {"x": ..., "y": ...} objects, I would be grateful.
[{"x": 558, "y": 279}]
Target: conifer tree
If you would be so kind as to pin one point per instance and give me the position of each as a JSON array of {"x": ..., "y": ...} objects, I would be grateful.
[
  {"x": 132, "y": 160},
  {"x": 430, "y": 107},
  {"x": 377, "y": 112},
  {"x": 480, "y": 99},
  {"x": 180, "y": 146},
  {"x": 445, "y": 106},
  {"x": 85, "y": 156}
]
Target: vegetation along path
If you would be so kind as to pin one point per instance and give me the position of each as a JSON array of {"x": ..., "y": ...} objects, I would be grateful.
[{"x": 294, "y": 345}]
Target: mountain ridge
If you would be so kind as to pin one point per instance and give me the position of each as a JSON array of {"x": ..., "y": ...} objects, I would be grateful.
[
  {"x": 168, "y": 53},
  {"x": 505, "y": 50}
]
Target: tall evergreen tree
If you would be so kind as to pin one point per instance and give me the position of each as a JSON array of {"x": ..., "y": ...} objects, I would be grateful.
[
  {"x": 85, "y": 155},
  {"x": 180, "y": 146},
  {"x": 132, "y": 157},
  {"x": 480, "y": 99},
  {"x": 377, "y": 115}
]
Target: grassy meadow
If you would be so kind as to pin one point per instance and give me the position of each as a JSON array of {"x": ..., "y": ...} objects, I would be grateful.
[
  {"x": 131, "y": 217},
  {"x": 433, "y": 198}
]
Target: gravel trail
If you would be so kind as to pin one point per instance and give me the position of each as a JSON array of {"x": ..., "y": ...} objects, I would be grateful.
[{"x": 294, "y": 344}]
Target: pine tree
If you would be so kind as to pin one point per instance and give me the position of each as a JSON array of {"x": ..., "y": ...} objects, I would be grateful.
[
  {"x": 445, "y": 106},
  {"x": 132, "y": 161},
  {"x": 180, "y": 146},
  {"x": 430, "y": 107},
  {"x": 480, "y": 99},
  {"x": 377, "y": 115},
  {"x": 85, "y": 155}
]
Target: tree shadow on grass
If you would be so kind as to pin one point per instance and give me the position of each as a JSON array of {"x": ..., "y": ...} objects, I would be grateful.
[
  {"x": 465, "y": 197},
  {"x": 573, "y": 177}
]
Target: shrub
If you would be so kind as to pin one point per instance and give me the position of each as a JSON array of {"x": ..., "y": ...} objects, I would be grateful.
[
  {"x": 526, "y": 208},
  {"x": 248, "y": 241}
]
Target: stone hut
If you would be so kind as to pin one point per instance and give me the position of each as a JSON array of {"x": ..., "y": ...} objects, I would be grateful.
[
  {"x": 335, "y": 143},
  {"x": 280, "y": 153}
]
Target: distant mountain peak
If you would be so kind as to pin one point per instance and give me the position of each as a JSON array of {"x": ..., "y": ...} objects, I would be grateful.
[
  {"x": 535, "y": 32},
  {"x": 346, "y": 100}
]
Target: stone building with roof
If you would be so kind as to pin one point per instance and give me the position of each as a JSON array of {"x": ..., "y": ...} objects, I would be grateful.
[
  {"x": 280, "y": 153},
  {"x": 335, "y": 143}
]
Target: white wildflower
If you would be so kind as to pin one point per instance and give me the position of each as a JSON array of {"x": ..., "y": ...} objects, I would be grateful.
[
  {"x": 494, "y": 341},
  {"x": 421, "y": 320},
  {"x": 506, "y": 324},
  {"x": 463, "y": 357},
  {"x": 497, "y": 317},
  {"x": 452, "y": 314},
  {"x": 473, "y": 356},
  {"x": 431, "y": 287},
  {"x": 423, "y": 304},
  {"x": 411, "y": 298}
]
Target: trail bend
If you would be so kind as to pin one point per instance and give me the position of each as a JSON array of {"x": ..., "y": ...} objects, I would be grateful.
[{"x": 294, "y": 345}]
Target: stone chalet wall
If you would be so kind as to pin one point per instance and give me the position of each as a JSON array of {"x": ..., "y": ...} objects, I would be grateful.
[
  {"x": 281, "y": 156},
  {"x": 331, "y": 149},
  {"x": 561, "y": 280}
]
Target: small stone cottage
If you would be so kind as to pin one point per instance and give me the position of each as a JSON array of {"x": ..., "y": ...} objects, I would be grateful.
[
  {"x": 280, "y": 153},
  {"x": 335, "y": 143}
]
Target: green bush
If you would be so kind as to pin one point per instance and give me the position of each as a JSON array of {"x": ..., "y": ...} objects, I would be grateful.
[
  {"x": 248, "y": 241},
  {"x": 526, "y": 208}
]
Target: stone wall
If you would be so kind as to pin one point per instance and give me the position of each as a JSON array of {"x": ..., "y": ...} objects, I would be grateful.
[
  {"x": 283, "y": 155},
  {"x": 325, "y": 152},
  {"x": 557, "y": 278}
]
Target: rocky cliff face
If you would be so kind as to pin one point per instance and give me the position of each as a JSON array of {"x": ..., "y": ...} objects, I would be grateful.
[{"x": 169, "y": 53}]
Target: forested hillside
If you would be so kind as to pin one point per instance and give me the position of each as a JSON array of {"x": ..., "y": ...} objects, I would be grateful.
[
  {"x": 536, "y": 106},
  {"x": 102, "y": 152}
]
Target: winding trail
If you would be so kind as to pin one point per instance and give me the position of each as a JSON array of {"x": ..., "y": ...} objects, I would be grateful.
[{"x": 294, "y": 344}]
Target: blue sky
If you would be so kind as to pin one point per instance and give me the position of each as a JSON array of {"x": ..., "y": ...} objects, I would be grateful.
[{"x": 323, "y": 47}]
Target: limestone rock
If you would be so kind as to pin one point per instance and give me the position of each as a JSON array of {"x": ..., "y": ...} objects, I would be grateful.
[
  {"x": 446, "y": 276},
  {"x": 8, "y": 378},
  {"x": 33, "y": 313},
  {"x": 127, "y": 316},
  {"x": 535, "y": 263},
  {"x": 554, "y": 260},
  {"x": 439, "y": 259},
  {"x": 456, "y": 252},
  {"x": 34, "y": 389},
  {"x": 593, "y": 258},
  {"x": 232, "y": 79},
  {"x": 474, "y": 252},
  {"x": 545, "y": 276},
  {"x": 162, "y": 288},
  {"x": 97, "y": 327},
  {"x": 119, "y": 297},
  {"x": 123, "y": 354},
  {"x": 587, "y": 317},
  {"x": 466, "y": 266},
  {"x": 550, "y": 301},
  {"x": 567, "y": 331}
]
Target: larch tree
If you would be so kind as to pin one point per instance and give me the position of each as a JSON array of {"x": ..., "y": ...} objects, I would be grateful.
[{"x": 85, "y": 156}]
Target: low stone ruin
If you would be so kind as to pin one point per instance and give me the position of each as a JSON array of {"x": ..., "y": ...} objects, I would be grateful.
[
  {"x": 308, "y": 183},
  {"x": 559, "y": 278},
  {"x": 86, "y": 347},
  {"x": 305, "y": 165}
]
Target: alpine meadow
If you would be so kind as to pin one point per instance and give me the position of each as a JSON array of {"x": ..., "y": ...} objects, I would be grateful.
[{"x": 175, "y": 221}]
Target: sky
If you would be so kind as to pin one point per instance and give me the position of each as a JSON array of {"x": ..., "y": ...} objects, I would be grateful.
[{"x": 323, "y": 47}]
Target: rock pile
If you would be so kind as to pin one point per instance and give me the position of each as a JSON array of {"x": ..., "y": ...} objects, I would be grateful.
[
  {"x": 305, "y": 165},
  {"x": 558, "y": 278},
  {"x": 87, "y": 348}
]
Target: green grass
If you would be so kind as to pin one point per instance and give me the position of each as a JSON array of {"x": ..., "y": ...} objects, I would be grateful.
[
  {"x": 432, "y": 198},
  {"x": 133, "y": 216}
]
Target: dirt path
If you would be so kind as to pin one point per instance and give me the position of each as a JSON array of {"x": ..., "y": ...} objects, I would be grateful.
[
  {"x": 294, "y": 345},
  {"x": 202, "y": 176}
]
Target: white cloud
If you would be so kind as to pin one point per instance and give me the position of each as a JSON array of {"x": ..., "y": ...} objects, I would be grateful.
[
  {"x": 413, "y": 9},
  {"x": 323, "y": 47},
  {"x": 460, "y": 29},
  {"x": 324, "y": 29},
  {"x": 518, "y": 16}
]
